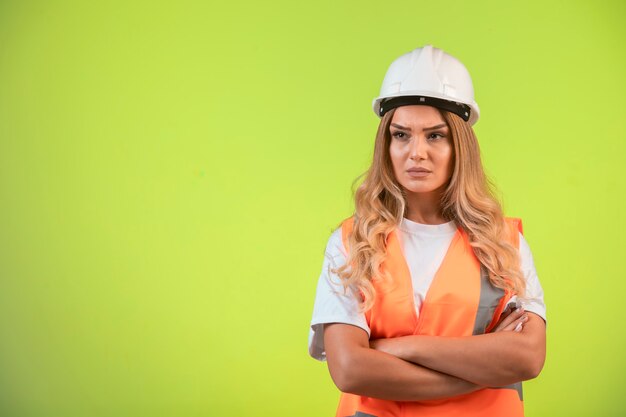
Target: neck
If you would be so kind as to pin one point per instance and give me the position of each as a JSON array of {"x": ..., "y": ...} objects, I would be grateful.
[{"x": 424, "y": 208}]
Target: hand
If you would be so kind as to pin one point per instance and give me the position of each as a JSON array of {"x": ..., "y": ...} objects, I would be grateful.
[{"x": 512, "y": 319}]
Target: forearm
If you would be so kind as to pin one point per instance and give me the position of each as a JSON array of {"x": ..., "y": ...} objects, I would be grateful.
[
  {"x": 490, "y": 360},
  {"x": 358, "y": 369},
  {"x": 376, "y": 374},
  {"x": 494, "y": 359}
]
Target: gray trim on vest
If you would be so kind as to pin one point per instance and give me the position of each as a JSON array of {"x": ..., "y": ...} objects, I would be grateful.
[
  {"x": 361, "y": 414},
  {"x": 517, "y": 387},
  {"x": 489, "y": 299}
]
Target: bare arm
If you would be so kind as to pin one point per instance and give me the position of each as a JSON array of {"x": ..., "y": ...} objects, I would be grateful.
[
  {"x": 357, "y": 369},
  {"x": 493, "y": 359}
]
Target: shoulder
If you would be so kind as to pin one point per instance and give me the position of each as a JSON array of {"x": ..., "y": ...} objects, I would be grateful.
[
  {"x": 514, "y": 223},
  {"x": 334, "y": 246},
  {"x": 517, "y": 234},
  {"x": 523, "y": 244},
  {"x": 526, "y": 255},
  {"x": 513, "y": 230}
]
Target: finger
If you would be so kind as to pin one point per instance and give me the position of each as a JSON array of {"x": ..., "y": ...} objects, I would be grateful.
[
  {"x": 516, "y": 314},
  {"x": 511, "y": 323},
  {"x": 517, "y": 323}
]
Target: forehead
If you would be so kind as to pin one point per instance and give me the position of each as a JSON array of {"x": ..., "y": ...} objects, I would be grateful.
[{"x": 417, "y": 116}]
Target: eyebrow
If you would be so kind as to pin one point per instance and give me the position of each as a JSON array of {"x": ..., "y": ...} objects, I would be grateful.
[{"x": 397, "y": 126}]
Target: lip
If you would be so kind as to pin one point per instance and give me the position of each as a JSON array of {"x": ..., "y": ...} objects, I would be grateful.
[{"x": 418, "y": 172}]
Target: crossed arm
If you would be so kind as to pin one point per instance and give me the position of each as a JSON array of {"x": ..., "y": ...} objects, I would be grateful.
[{"x": 415, "y": 368}]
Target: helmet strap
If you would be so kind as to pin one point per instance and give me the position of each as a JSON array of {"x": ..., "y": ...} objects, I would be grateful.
[{"x": 460, "y": 109}]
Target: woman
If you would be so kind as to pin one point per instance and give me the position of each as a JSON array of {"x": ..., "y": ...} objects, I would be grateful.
[{"x": 428, "y": 303}]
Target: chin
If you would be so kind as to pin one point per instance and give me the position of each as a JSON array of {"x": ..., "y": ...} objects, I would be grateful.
[
  {"x": 423, "y": 188},
  {"x": 420, "y": 191}
]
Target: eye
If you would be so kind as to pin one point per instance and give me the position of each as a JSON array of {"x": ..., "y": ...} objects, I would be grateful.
[
  {"x": 399, "y": 135},
  {"x": 436, "y": 136}
]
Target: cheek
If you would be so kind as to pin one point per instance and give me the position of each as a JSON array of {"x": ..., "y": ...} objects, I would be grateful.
[
  {"x": 450, "y": 163},
  {"x": 446, "y": 160},
  {"x": 395, "y": 154}
]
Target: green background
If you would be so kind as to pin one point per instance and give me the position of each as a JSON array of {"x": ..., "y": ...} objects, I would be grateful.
[{"x": 170, "y": 173}]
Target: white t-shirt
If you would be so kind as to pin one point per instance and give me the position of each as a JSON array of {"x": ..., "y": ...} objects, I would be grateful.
[{"x": 424, "y": 247}]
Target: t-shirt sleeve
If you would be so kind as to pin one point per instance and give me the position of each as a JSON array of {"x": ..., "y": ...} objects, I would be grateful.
[
  {"x": 332, "y": 304},
  {"x": 533, "y": 299}
]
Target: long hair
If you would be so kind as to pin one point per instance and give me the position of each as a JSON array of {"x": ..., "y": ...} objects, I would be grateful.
[{"x": 468, "y": 200}]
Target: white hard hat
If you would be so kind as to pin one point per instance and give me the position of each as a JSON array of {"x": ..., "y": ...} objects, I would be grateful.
[{"x": 431, "y": 77}]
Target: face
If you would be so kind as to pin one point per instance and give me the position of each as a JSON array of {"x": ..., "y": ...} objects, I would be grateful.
[{"x": 420, "y": 149}]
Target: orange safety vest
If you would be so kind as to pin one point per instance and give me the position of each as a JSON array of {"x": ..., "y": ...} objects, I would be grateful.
[{"x": 460, "y": 302}]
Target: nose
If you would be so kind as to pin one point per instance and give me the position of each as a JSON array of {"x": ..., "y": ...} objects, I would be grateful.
[{"x": 418, "y": 149}]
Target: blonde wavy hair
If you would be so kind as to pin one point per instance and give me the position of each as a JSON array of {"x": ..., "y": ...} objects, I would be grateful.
[{"x": 468, "y": 199}]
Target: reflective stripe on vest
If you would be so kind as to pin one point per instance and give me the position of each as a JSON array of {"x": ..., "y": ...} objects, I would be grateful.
[{"x": 461, "y": 301}]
